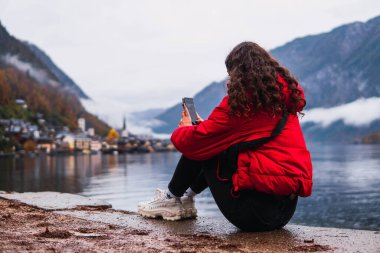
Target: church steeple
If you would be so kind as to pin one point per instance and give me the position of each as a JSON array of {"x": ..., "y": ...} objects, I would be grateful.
[
  {"x": 124, "y": 131},
  {"x": 124, "y": 123}
]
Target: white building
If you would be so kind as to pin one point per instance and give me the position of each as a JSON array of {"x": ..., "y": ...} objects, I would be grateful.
[
  {"x": 91, "y": 131},
  {"x": 82, "y": 124}
]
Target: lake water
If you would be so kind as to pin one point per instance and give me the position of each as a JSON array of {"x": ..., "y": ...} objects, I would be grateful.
[{"x": 346, "y": 189}]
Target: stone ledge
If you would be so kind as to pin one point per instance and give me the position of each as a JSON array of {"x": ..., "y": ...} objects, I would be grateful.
[
  {"x": 200, "y": 235},
  {"x": 54, "y": 200}
]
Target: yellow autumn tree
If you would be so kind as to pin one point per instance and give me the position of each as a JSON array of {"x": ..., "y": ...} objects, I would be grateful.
[
  {"x": 29, "y": 146},
  {"x": 112, "y": 136}
]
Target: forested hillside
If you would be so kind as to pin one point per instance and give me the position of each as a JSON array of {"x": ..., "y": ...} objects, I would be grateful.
[{"x": 27, "y": 73}]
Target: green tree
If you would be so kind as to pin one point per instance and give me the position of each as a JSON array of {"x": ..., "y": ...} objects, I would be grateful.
[{"x": 5, "y": 143}]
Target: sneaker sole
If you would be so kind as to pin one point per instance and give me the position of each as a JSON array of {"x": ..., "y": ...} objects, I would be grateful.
[
  {"x": 190, "y": 213},
  {"x": 166, "y": 216}
]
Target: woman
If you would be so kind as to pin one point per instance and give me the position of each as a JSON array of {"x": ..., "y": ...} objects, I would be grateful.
[{"x": 256, "y": 187}]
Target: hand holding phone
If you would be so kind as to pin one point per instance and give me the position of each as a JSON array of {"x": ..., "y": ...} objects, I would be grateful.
[{"x": 189, "y": 102}]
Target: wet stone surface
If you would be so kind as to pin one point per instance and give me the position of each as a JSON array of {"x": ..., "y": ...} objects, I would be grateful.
[
  {"x": 97, "y": 229},
  {"x": 54, "y": 200}
]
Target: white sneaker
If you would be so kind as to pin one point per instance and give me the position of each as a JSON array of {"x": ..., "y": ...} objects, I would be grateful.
[
  {"x": 161, "y": 206},
  {"x": 159, "y": 193},
  {"x": 189, "y": 208}
]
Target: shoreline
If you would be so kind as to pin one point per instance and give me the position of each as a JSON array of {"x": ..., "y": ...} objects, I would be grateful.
[
  {"x": 77, "y": 153},
  {"x": 55, "y": 222}
]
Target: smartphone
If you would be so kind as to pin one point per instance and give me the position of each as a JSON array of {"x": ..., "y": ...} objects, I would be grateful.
[{"x": 189, "y": 102}]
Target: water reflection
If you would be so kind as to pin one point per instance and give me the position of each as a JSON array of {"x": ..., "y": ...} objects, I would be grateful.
[
  {"x": 346, "y": 182},
  {"x": 46, "y": 173}
]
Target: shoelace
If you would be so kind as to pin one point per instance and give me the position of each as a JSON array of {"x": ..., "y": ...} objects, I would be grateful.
[{"x": 158, "y": 194}]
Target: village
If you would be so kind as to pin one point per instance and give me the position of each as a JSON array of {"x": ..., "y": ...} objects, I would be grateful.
[{"x": 19, "y": 137}]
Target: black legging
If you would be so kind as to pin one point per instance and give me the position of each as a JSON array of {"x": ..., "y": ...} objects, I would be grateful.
[{"x": 249, "y": 210}]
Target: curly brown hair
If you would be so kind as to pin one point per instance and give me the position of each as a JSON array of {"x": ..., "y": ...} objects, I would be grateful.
[{"x": 253, "y": 83}]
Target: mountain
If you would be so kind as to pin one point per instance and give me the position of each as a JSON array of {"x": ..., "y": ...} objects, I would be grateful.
[
  {"x": 146, "y": 114},
  {"x": 334, "y": 68},
  {"x": 64, "y": 80},
  {"x": 204, "y": 101},
  {"x": 343, "y": 63},
  {"x": 29, "y": 58},
  {"x": 27, "y": 73}
]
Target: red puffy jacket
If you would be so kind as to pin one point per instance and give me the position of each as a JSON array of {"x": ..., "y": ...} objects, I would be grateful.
[{"x": 282, "y": 166}]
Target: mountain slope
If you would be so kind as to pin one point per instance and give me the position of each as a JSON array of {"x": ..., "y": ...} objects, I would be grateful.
[
  {"x": 27, "y": 57},
  {"x": 342, "y": 63},
  {"x": 65, "y": 81},
  {"x": 204, "y": 101}
]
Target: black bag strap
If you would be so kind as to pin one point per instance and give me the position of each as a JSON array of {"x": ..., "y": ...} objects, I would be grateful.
[
  {"x": 232, "y": 152},
  {"x": 249, "y": 145}
]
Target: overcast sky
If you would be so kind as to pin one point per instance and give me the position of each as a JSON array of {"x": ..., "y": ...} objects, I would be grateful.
[{"x": 136, "y": 55}]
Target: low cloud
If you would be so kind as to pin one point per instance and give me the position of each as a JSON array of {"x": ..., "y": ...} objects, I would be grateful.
[
  {"x": 360, "y": 112},
  {"x": 38, "y": 74},
  {"x": 113, "y": 112}
]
